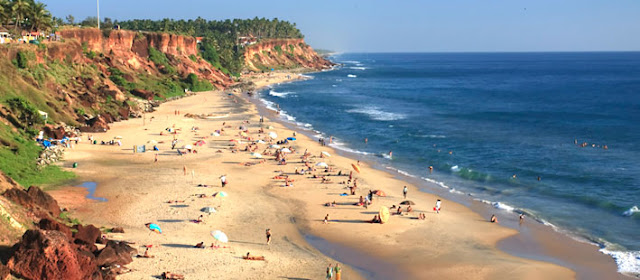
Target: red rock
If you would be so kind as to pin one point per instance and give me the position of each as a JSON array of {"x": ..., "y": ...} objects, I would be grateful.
[
  {"x": 49, "y": 255},
  {"x": 41, "y": 203},
  {"x": 115, "y": 253},
  {"x": 50, "y": 224},
  {"x": 97, "y": 124},
  {"x": 4, "y": 272},
  {"x": 88, "y": 234},
  {"x": 117, "y": 230},
  {"x": 144, "y": 94}
]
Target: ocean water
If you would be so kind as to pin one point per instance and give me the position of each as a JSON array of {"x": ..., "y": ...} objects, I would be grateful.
[{"x": 480, "y": 118}]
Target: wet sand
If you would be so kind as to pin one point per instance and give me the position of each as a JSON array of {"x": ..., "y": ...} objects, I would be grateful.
[{"x": 455, "y": 244}]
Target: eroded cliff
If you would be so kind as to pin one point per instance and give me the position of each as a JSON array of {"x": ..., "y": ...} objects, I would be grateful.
[{"x": 283, "y": 54}]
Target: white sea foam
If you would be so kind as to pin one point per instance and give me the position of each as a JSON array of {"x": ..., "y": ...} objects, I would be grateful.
[
  {"x": 631, "y": 211},
  {"x": 455, "y": 168},
  {"x": 377, "y": 114},
  {"x": 341, "y": 146},
  {"x": 358, "y": 68},
  {"x": 431, "y": 136},
  {"x": 405, "y": 173},
  {"x": 352, "y": 76},
  {"x": 627, "y": 261},
  {"x": 351, "y": 61},
  {"x": 279, "y": 94}
]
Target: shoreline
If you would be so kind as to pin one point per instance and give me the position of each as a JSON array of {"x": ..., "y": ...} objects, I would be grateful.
[
  {"x": 548, "y": 243},
  {"x": 499, "y": 263}
]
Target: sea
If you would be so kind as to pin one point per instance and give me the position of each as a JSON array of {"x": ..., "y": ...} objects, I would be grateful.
[{"x": 555, "y": 136}]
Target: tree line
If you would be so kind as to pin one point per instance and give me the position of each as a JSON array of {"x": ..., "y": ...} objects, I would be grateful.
[{"x": 21, "y": 15}]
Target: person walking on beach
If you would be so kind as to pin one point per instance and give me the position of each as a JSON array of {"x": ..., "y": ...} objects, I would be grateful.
[
  {"x": 184, "y": 169},
  {"x": 268, "y": 233},
  {"x": 437, "y": 208},
  {"x": 326, "y": 219},
  {"x": 329, "y": 272},
  {"x": 156, "y": 158},
  {"x": 404, "y": 192},
  {"x": 223, "y": 180},
  {"x": 338, "y": 271}
]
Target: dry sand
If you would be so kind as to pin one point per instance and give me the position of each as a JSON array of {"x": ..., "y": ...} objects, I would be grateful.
[{"x": 455, "y": 244}]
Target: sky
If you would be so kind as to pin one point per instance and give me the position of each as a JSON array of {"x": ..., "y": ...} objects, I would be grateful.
[{"x": 410, "y": 25}]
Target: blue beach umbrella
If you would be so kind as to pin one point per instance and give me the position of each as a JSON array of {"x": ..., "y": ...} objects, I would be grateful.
[{"x": 291, "y": 139}]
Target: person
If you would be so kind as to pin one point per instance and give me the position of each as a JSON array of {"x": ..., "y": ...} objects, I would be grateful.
[
  {"x": 366, "y": 140},
  {"x": 399, "y": 212},
  {"x": 409, "y": 209},
  {"x": 521, "y": 218},
  {"x": 404, "y": 192},
  {"x": 390, "y": 154},
  {"x": 200, "y": 219},
  {"x": 253, "y": 258},
  {"x": 326, "y": 219},
  {"x": 437, "y": 208},
  {"x": 156, "y": 158},
  {"x": 199, "y": 245},
  {"x": 430, "y": 169},
  {"x": 223, "y": 180},
  {"x": 184, "y": 168},
  {"x": 268, "y": 233},
  {"x": 338, "y": 271},
  {"x": 494, "y": 219},
  {"x": 376, "y": 219},
  {"x": 329, "y": 272},
  {"x": 539, "y": 178},
  {"x": 170, "y": 275},
  {"x": 146, "y": 254},
  {"x": 422, "y": 216}
]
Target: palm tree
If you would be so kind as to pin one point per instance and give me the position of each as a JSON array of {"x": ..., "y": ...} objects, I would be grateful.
[
  {"x": 20, "y": 9},
  {"x": 5, "y": 12},
  {"x": 39, "y": 17}
]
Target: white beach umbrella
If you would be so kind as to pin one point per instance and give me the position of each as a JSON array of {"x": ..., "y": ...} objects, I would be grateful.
[
  {"x": 260, "y": 142},
  {"x": 152, "y": 142},
  {"x": 256, "y": 155},
  {"x": 322, "y": 164},
  {"x": 274, "y": 146},
  {"x": 208, "y": 210},
  {"x": 273, "y": 135},
  {"x": 326, "y": 154},
  {"x": 215, "y": 134},
  {"x": 285, "y": 150},
  {"x": 189, "y": 147},
  {"x": 269, "y": 127},
  {"x": 220, "y": 236}
]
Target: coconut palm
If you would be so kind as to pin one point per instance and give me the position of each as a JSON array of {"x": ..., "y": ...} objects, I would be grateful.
[
  {"x": 5, "y": 12},
  {"x": 39, "y": 17},
  {"x": 20, "y": 9}
]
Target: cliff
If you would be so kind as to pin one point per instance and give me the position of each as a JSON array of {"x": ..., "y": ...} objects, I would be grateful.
[{"x": 283, "y": 54}]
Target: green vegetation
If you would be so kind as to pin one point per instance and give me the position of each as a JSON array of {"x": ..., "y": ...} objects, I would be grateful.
[
  {"x": 28, "y": 14},
  {"x": 278, "y": 49},
  {"x": 160, "y": 59},
  {"x": 22, "y": 59},
  {"x": 17, "y": 160},
  {"x": 193, "y": 58},
  {"x": 195, "y": 84}
]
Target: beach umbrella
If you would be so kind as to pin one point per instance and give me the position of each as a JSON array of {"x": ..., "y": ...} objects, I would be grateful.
[
  {"x": 384, "y": 214},
  {"x": 260, "y": 142},
  {"x": 270, "y": 127},
  {"x": 274, "y": 147},
  {"x": 243, "y": 134},
  {"x": 273, "y": 135},
  {"x": 256, "y": 155},
  {"x": 326, "y": 154},
  {"x": 285, "y": 150},
  {"x": 221, "y": 194},
  {"x": 154, "y": 227},
  {"x": 208, "y": 210},
  {"x": 379, "y": 193},
  {"x": 322, "y": 164},
  {"x": 188, "y": 147},
  {"x": 242, "y": 127},
  {"x": 153, "y": 142},
  {"x": 407, "y": 202},
  {"x": 220, "y": 236},
  {"x": 215, "y": 134},
  {"x": 291, "y": 139},
  {"x": 355, "y": 167}
]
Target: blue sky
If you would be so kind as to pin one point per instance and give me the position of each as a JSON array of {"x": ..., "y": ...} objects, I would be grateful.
[{"x": 411, "y": 25}]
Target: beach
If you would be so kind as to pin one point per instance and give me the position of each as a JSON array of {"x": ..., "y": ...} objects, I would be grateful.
[{"x": 456, "y": 243}]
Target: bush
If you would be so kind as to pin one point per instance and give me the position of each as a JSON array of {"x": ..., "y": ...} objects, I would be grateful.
[
  {"x": 278, "y": 50},
  {"x": 195, "y": 84},
  {"x": 22, "y": 59},
  {"x": 159, "y": 58},
  {"x": 193, "y": 58}
]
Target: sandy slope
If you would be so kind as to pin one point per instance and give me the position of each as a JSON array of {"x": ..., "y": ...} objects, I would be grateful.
[{"x": 455, "y": 244}]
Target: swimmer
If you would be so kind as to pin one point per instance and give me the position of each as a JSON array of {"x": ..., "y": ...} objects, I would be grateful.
[
  {"x": 521, "y": 218},
  {"x": 430, "y": 169}
]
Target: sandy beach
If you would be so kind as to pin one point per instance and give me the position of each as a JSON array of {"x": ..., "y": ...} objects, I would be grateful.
[{"x": 456, "y": 243}]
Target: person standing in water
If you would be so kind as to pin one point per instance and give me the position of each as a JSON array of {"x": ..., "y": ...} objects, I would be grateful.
[
  {"x": 404, "y": 192},
  {"x": 390, "y": 154},
  {"x": 437, "y": 208}
]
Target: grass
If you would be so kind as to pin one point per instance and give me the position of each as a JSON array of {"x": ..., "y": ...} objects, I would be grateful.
[{"x": 18, "y": 160}]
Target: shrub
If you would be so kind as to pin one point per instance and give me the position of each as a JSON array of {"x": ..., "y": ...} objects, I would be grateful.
[{"x": 22, "y": 59}]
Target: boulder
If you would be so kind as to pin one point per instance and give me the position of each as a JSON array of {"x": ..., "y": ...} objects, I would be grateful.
[
  {"x": 49, "y": 255},
  {"x": 88, "y": 234},
  {"x": 54, "y": 132},
  {"x": 35, "y": 199},
  {"x": 115, "y": 253},
  {"x": 50, "y": 224},
  {"x": 96, "y": 124},
  {"x": 4, "y": 272},
  {"x": 144, "y": 94},
  {"x": 117, "y": 230}
]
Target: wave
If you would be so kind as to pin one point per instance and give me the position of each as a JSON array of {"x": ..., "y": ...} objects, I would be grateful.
[
  {"x": 377, "y": 114},
  {"x": 280, "y": 94},
  {"x": 627, "y": 261},
  {"x": 341, "y": 146},
  {"x": 272, "y": 106},
  {"x": 358, "y": 68},
  {"x": 405, "y": 173},
  {"x": 431, "y": 136},
  {"x": 632, "y": 211},
  {"x": 351, "y": 61},
  {"x": 352, "y": 76}
]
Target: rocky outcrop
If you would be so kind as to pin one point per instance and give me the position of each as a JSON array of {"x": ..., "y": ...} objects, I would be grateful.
[
  {"x": 87, "y": 234},
  {"x": 96, "y": 124},
  {"x": 115, "y": 253},
  {"x": 4, "y": 272},
  {"x": 51, "y": 224},
  {"x": 50, "y": 155},
  {"x": 50, "y": 255},
  {"x": 283, "y": 53},
  {"x": 144, "y": 94},
  {"x": 40, "y": 203}
]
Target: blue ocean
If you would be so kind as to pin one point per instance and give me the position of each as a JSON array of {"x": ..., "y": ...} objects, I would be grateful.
[{"x": 553, "y": 135}]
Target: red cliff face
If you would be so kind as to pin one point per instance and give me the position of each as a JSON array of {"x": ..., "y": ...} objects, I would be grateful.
[
  {"x": 131, "y": 50},
  {"x": 283, "y": 53}
]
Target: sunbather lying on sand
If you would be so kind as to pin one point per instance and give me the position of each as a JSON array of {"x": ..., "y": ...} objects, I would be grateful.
[
  {"x": 175, "y": 201},
  {"x": 199, "y": 245},
  {"x": 253, "y": 258},
  {"x": 146, "y": 254},
  {"x": 172, "y": 276},
  {"x": 213, "y": 246}
]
